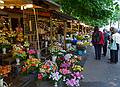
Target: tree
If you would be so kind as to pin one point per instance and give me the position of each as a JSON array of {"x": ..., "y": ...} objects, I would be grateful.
[{"x": 91, "y": 12}]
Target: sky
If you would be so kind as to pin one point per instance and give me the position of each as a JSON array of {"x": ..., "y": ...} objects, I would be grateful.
[
  {"x": 113, "y": 24},
  {"x": 117, "y": 1}
]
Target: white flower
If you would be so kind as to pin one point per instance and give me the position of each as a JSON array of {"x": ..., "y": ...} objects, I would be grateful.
[
  {"x": 55, "y": 76},
  {"x": 68, "y": 56}
]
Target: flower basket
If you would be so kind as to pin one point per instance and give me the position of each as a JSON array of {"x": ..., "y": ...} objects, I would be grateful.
[
  {"x": 19, "y": 52},
  {"x": 4, "y": 70},
  {"x": 55, "y": 76},
  {"x": 81, "y": 47},
  {"x": 31, "y": 66},
  {"x": 5, "y": 47}
]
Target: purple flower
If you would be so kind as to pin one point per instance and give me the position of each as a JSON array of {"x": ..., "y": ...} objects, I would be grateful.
[
  {"x": 65, "y": 65},
  {"x": 77, "y": 75},
  {"x": 72, "y": 82}
]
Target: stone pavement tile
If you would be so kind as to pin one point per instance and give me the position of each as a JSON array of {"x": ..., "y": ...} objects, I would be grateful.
[
  {"x": 93, "y": 84},
  {"x": 40, "y": 84},
  {"x": 99, "y": 71},
  {"x": 21, "y": 81}
]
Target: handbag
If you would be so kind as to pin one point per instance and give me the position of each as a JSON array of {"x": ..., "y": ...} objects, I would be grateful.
[{"x": 113, "y": 45}]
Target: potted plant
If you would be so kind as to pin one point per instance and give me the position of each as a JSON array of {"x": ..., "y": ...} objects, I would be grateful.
[
  {"x": 19, "y": 53},
  {"x": 4, "y": 70},
  {"x": 4, "y": 46}
]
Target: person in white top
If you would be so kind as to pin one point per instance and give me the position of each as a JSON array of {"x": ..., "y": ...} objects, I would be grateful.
[
  {"x": 116, "y": 37},
  {"x": 114, "y": 53}
]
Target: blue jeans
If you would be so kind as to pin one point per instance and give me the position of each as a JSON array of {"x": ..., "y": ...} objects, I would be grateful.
[{"x": 98, "y": 48}]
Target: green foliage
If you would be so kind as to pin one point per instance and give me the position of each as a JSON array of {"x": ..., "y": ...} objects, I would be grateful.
[
  {"x": 91, "y": 12},
  {"x": 7, "y": 46}
]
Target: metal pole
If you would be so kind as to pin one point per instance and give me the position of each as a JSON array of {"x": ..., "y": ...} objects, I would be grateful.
[
  {"x": 65, "y": 27},
  {"x": 78, "y": 27},
  {"x": 51, "y": 32},
  {"x": 38, "y": 42},
  {"x": 118, "y": 23},
  {"x": 24, "y": 21}
]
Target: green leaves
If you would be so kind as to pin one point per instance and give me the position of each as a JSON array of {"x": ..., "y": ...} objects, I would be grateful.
[{"x": 91, "y": 12}]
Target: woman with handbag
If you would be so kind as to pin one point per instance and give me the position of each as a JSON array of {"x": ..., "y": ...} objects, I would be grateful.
[{"x": 114, "y": 45}]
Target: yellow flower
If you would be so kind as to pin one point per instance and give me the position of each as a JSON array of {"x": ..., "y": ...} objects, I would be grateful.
[{"x": 77, "y": 68}]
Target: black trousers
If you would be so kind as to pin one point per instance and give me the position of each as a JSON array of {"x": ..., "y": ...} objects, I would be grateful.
[
  {"x": 114, "y": 55},
  {"x": 105, "y": 49},
  {"x": 98, "y": 48}
]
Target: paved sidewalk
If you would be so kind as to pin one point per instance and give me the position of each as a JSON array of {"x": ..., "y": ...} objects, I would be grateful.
[{"x": 99, "y": 73}]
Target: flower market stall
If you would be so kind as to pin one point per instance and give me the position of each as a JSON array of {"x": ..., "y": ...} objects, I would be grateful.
[
  {"x": 64, "y": 67},
  {"x": 14, "y": 45},
  {"x": 78, "y": 37}
]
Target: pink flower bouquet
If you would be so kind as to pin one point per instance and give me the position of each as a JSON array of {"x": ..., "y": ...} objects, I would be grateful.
[{"x": 31, "y": 51}]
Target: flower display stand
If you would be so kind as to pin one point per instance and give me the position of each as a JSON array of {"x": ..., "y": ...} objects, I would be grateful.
[
  {"x": 54, "y": 58},
  {"x": 1, "y": 82},
  {"x": 81, "y": 52},
  {"x": 4, "y": 50},
  {"x": 56, "y": 84},
  {"x": 17, "y": 61}
]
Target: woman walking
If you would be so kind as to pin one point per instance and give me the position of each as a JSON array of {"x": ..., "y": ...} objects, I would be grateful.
[
  {"x": 114, "y": 45},
  {"x": 97, "y": 41}
]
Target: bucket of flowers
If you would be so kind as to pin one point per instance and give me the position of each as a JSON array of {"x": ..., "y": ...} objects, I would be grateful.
[
  {"x": 75, "y": 76},
  {"x": 4, "y": 71},
  {"x": 55, "y": 76},
  {"x": 46, "y": 72},
  {"x": 31, "y": 67},
  {"x": 19, "y": 53},
  {"x": 71, "y": 70},
  {"x": 81, "y": 48},
  {"x": 74, "y": 79},
  {"x": 5, "y": 45},
  {"x": 47, "y": 68}
]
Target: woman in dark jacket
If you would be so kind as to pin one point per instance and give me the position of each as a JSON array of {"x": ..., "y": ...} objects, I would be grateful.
[
  {"x": 98, "y": 42},
  {"x": 106, "y": 38}
]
